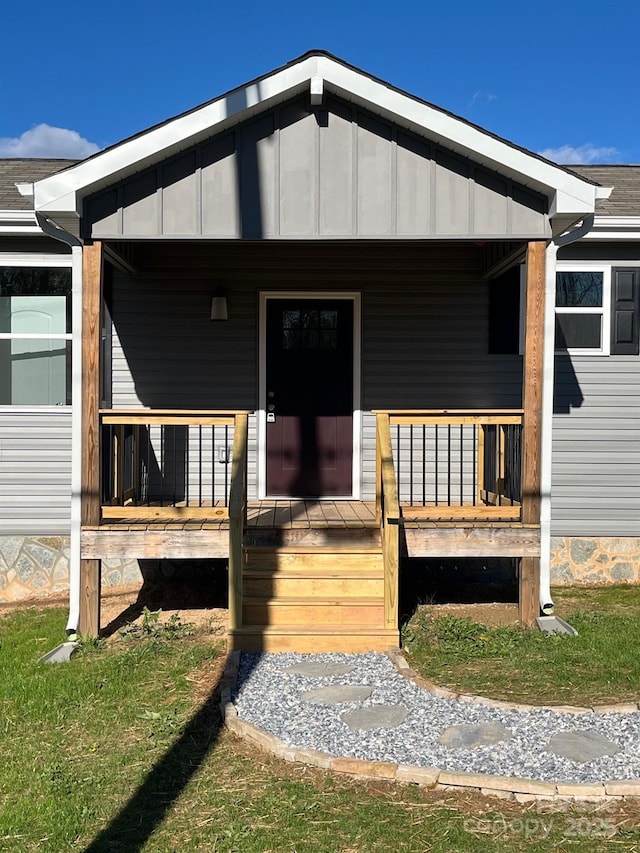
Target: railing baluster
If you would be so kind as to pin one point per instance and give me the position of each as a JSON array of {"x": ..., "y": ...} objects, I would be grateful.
[
  {"x": 448, "y": 464},
  {"x": 161, "y": 464},
  {"x": 424, "y": 465},
  {"x": 411, "y": 465},
  {"x": 175, "y": 471},
  {"x": 461, "y": 464},
  {"x": 398, "y": 460},
  {"x": 226, "y": 464},
  {"x": 436, "y": 461},
  {"x": 474, "y": 462},
  {"x": 213, "y": 466},
  {"x": 186, "y": 463},
  {"x": 199, "y": 464}
]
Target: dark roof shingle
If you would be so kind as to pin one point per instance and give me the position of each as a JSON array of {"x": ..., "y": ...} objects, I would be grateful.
[
  {"x": 625, "y": 180},
  {"x": 25, "y": 169}
]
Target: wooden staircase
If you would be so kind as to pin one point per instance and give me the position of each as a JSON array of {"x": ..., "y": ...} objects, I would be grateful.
[{"x": 325, "y": 597}]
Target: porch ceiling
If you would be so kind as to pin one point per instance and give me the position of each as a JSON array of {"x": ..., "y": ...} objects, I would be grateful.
[{"x": 303, "y": 262}]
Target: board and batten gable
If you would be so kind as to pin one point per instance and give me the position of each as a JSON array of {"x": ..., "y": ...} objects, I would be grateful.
[
  {"x": 297, "y": 172},
  {"x": 596, "y": 428},
  {"x": 424, "y": 327}
]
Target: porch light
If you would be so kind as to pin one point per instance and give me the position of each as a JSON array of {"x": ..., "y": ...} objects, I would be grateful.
[{"x": 219, "y": 305}]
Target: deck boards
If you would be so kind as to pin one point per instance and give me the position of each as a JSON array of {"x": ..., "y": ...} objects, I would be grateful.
[{"x": 313, "y": 523}]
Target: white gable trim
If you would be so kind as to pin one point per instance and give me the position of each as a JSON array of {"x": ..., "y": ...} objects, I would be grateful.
[{"x": 568, "y": 194}]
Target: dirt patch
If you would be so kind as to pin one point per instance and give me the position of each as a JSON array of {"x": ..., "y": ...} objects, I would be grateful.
[
  {"x": 494, "y": 615},
  {"x": 127, "y": 607}
]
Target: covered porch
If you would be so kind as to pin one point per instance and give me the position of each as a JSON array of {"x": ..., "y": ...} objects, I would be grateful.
[
  {"x": 180, "y": 482},
  {"x": 382, "y": 269}
]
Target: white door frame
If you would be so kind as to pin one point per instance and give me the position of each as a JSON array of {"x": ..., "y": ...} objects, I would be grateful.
[{"x": 261, "y": 414}]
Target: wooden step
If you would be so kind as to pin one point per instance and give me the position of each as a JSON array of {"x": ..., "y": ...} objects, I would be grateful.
[
  {"x": 337, "y": 538},
  {"x": 328, "y": 562},
  {"x": 325, "y": 638},
  {"x": 313, "y": 611},
  {"x": 311, "y": 583}
]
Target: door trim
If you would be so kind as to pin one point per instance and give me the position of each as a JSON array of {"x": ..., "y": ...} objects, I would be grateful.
[{"x": 261, "y": 414}]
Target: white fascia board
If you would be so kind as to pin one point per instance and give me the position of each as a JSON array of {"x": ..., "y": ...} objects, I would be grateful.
[
  {"x": 571, "y": 194},
  {"x": 60, "y": 192},
  {"x": 25, "y": 188},
  {"x": 614, "y": 228},
  {"x": 19, "y": 222},
  {"x": 568, "y": 194}
]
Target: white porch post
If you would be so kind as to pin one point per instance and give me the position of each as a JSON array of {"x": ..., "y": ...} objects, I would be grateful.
[
  {"x": 546, "y": 603},
  {"x": 76, "y": 438}
]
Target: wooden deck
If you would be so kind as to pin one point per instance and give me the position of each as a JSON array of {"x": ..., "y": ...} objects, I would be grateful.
[{"x": 310, "y": 521}]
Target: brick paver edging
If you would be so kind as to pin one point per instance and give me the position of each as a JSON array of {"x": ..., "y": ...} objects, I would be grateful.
[
  {"x": 401, "y": 665},
  {"x": 505, "y": 787}
]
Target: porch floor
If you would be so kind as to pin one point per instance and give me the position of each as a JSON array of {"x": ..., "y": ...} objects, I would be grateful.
[
  {"x": 314, "y": 521},
  {"x": 268, "y": 514}
]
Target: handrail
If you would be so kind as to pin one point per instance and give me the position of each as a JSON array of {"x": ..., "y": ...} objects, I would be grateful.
[
  {"x": 388, "y": 513},
  {"x": 237, "y": 518},
  {"x": 390, "y": 506}
]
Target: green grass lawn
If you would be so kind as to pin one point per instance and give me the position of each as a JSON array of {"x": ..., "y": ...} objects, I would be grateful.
[
  {"x": 600, "y": 665},
  {"x": 122, "y": 750}
]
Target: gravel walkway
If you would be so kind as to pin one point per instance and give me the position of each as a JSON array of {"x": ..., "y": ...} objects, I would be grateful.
[{"x": 403, "y": 723}]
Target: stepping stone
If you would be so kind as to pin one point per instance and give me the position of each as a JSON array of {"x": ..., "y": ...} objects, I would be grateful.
[
  {"x": 336, "y": 694},
  {"x": 320, "y": 669},
  {"x": 375, "y": 717},
  {"x": 582, "y": 746},
  {"x": 470, "y": 736}
]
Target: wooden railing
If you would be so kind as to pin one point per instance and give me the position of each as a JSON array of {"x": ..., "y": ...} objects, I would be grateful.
[
  {"x": 169, "y": 464},
  {"x": 460, "y": 464},
  {"x": 237, "y": 519},
  {"x": 388, "y": 516}
]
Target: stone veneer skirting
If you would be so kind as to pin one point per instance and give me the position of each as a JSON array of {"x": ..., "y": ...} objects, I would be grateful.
[
  {"x": 595, "y": 560},
  {"x": 39, "y": 566}
]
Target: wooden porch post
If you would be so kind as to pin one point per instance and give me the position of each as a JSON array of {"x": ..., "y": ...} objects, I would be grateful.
[
  {"x": 92, "y": 267},
  {"x": 529, "y": 585}
]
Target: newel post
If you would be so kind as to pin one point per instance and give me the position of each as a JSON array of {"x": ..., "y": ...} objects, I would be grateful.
[
  {"x": 529, "y": 582},
  {"x": 92, "y": 273}
]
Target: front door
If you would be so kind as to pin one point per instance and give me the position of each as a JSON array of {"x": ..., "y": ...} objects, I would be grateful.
[{"x": 309, "y": 375}]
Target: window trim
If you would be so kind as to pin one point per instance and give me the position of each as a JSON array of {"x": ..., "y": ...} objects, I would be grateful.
[
  {"x": 37, "y": 261},
  {"x": 603, "y": 310}
]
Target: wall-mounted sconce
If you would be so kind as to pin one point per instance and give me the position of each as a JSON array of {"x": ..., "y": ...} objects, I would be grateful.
[{"x": 219, "y": 309}]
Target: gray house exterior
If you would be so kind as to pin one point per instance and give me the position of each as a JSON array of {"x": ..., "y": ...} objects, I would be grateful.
[{"x": 314, "y": 191}]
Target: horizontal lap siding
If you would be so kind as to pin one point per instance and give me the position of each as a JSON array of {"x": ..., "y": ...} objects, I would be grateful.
[
  {"x": 35, "y": 472},
  {"x": 596, "y": 446}
]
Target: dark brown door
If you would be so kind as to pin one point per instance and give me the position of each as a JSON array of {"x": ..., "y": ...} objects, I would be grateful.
[{"x": 309, "y": 397}]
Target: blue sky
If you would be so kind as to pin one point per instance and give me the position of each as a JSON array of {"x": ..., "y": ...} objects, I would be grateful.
[{"x": 558, "y": 78}]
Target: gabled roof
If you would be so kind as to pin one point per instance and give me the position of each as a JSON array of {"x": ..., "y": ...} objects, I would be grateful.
[
  {"x": 570, "y": 196},
  {"x": 24, "y": 170}
]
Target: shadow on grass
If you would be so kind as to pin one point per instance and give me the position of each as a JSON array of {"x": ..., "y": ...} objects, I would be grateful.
[{"x": 136, "y": 822}]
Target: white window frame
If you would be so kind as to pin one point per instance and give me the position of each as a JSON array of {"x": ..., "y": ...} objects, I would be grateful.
[
  {"x": 40, "y": 260},
  {"x": 603, "y": 310}
]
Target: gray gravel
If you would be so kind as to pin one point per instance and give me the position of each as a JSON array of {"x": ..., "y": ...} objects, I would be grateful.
[{"x": 270, "y": 697}]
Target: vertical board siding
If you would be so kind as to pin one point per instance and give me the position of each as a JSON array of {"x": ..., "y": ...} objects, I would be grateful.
[
  {"x": 424, "y": 329},
  {"x": 35, "y": 471},
  {"x": 335, "y": 171},
  {"x": 596, "y": 446}
]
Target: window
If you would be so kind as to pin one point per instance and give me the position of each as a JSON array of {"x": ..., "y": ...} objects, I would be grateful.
[
  {"x": 582, "y": 310},
  {"x": 35, "y": 336}
]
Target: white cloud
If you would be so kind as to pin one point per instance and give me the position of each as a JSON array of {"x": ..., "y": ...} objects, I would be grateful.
[
  {"x": 46, "y": 141},
  {"x": 481, "y": 97},
  {"x": 568, "y": 155}
]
